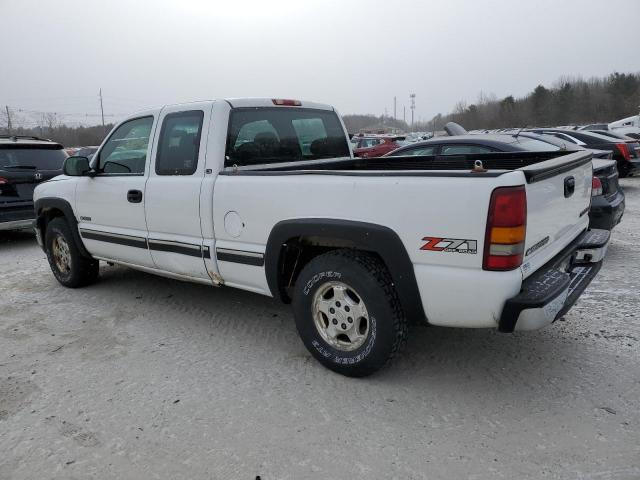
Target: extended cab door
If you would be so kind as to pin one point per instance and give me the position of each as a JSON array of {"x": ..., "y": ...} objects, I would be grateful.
[
  {"x": 110, "y": 206},
  {"x": 173, "y": 191}
]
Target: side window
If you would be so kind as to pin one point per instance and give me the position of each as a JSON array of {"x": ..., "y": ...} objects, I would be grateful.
[
  {"x": 179, "y": 143},
  {"x": 464, "y": 149},
  {"x": 418, "y": 151},
  {"x": 126, "y": 149}
]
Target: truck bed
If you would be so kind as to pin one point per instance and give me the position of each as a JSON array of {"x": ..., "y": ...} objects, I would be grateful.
[{"x": 535, "y": 166}]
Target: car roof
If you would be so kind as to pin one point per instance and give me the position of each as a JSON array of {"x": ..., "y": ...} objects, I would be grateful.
[
  {"x": 577, "y": 133},
  {"x": 499, "y": 141},
  {"x": 615, "y": 135},
  {"x": 25, "y": 140}
]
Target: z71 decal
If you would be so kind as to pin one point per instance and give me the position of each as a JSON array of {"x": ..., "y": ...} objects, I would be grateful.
[{"x": 454, "y": 245}]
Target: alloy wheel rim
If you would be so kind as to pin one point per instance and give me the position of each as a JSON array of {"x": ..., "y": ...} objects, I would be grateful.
[
  {"x": 61, "y": 254},
  {"x": 340, "y": 316}
]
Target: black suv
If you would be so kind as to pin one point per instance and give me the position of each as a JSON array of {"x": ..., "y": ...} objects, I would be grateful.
[{"x": 24, "y": 163}]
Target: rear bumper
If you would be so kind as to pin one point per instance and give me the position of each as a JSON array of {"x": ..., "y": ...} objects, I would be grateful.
[
  {"x": 551, "y": 291},
  {"x": 606, "y": 213},
  {"x": 16, "y": 215},
  {"x": 16, "y": 224}
]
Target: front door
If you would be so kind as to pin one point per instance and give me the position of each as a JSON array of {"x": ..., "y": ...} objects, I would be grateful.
[
  {"x": 110, "y": 205},
  {"x": 173, "y": 191}
]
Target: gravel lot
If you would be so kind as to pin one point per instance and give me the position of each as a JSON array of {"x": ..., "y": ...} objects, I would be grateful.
[{"x": 143, "y": 377}]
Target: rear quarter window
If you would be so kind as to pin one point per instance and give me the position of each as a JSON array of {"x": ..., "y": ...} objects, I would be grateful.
[{"x": 273, "y": 135}]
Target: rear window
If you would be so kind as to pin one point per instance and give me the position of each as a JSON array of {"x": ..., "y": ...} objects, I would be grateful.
[
  {"x": 534, "y": 145},
  {"x": 272, "y": 135},
  {"x": 39, "y": 158}
]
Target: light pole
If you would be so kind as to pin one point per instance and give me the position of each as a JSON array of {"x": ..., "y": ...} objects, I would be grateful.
[{"x": 412, "y": 97}]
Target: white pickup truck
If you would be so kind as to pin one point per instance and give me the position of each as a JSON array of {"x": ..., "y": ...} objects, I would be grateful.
[{"x": 265, "y": 195}]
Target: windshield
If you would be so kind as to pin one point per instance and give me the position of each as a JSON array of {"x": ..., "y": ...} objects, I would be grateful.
[{"x": 42, "y": 159}]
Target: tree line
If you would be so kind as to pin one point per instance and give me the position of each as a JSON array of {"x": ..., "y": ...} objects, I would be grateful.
[
  {"x": 569, "y": 101},
  {"x": 64, "y": 134}
]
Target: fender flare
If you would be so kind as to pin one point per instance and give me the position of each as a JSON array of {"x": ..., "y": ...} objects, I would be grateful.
[
  {"x": 365, "y": 236},
  {"x": 65, "y": 207}
]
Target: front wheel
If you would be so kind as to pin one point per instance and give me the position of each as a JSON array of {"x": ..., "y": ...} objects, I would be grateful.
[
  {"x": 68, "y": 265},
  {"x": 347, "y": 312}
]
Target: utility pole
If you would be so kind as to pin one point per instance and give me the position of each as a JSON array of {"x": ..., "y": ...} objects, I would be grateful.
[
  {"x": 8, "y": 119},
  {"x": 404, "y": 113},
  {"x": 394, "y": 108},
  {"x": 101, "y": 108},
  {"x": 412, "y": 97}
]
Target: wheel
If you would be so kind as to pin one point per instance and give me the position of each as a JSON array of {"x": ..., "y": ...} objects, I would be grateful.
[
  {"x": 347, "y": 312},
  {"x": 69, "y": 267},
  {"x": 623, "y": 171}
]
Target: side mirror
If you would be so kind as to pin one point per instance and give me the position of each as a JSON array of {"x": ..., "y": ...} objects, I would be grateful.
[{"x": 76, "y": 166}]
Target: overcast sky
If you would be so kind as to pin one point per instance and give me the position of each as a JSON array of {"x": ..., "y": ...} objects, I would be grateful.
[{"x": 354, "y": 54}]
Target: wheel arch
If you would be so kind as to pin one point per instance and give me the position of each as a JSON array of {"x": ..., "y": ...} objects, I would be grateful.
[
  {"x": 335, "y": 233},
  {"x": 48, "y": 208}
]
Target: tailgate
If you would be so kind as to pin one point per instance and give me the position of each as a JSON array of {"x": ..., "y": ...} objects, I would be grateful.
[{"x": 558, "y": 201}]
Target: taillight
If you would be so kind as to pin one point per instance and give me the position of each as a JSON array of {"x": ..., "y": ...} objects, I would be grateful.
[
  {"x": 596, "y": 187},
  {"x": 506, "y": 229},
  {"x": 287, "y": 102},
  {"x": 624, "y": 150},
  {"x": 3, "y": 181}
]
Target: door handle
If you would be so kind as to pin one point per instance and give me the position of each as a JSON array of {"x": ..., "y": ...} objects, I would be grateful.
[{"x": 134, "y": 196}]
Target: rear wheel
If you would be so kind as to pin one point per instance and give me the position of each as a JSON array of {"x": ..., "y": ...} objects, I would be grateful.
[
  {"x": 347, "y": 312},
  {"x": 68, "y": 265}
]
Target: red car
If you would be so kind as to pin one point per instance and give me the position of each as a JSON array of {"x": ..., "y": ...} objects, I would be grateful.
[{"x": 376, "y": 146}]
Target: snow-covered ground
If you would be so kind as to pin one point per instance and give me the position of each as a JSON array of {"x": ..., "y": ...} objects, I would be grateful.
[{"x": 141, "y": 377}]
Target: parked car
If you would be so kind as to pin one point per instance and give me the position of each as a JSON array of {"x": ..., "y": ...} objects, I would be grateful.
[
  {"x": 633, "y": 132},
  {"x": 71, "y": 150},
  {"x": 86, "y": 152},
  {"x": 626, "y": 154},
  {"x": 607, "y": 199},
  {"x": 369, "y": 147},
  {"x": 595, "y": 126},
  {"x": 359, "y": 246},
  {"x": 616, "y": 135},
  {"x": 633, "y": 121},
  {"x": 607, "y": 206},
  {"x": 486, "y": 143},
  {"x": 24, "y": 163}
]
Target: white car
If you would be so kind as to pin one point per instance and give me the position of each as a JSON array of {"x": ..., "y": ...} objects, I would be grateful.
[{"x": 264, "y": 195}]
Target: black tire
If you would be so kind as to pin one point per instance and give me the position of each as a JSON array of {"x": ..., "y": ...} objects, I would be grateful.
[
  {"x": 623, "y": 170},
  {"x": 387, "y": 325},
  {"x": 80, "y": 270}
]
